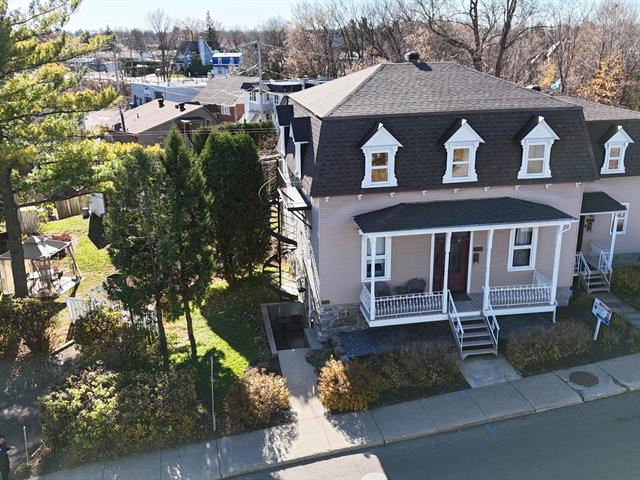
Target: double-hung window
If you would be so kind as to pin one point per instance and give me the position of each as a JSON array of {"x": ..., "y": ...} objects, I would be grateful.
[
  {"x": 522, "y": 249},
  {"x": 379, "y": 159},
  {"x": 225, "y": 109},
  {"x": 461, "y": 150},
  {"x": 253, "y": 97},
  {"x": 614, "y": 150},
  {"x": 536, "y": 150},
  {"x": 619, "y": 221},
  {"x": 382, "y": 262}
]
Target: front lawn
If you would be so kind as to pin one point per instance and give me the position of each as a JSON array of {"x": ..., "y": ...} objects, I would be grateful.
[
  {"x": 569, "y": 343},
  {"x": 228, "y": 326}
]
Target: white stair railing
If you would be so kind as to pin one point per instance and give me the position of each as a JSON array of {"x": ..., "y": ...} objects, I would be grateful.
[
  {"x": 454, "y": 321},
  {"x": 492, "y": 322},
  {"x": 604, "y": 266}
]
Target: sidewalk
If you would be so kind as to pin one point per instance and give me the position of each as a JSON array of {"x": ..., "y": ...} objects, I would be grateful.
[
  {"x": 316, "y": 434},
  {"x": 626, "y": 311}
]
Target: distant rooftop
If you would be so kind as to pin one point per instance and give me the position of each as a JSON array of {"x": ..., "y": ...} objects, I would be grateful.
[{"x": 225, "y": 90}]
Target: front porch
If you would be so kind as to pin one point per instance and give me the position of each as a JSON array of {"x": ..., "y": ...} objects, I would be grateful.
[{"x": 475, "y": 270}]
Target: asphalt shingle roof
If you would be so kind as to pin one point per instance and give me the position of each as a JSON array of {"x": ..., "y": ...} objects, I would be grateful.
[
  {"x": 594, "y": 111},
  {"x": 404, "y": 88},
  {"x": 225, "y": 90},
  {"x": 600, "y": 202},
  {"x": 457, "y": 213}
]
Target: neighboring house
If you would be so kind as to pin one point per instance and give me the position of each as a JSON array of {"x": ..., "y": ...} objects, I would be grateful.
[
  {"x": 195, "y": 52},
  {"x": 224, "y": 96},
  {"x": 150, "y": 123},
  {"x": 145, "y": 92},
  {"x": 225, "y": 63},
  {"x": 274, "y": 92},
  {"x": 432, "y": 192}
]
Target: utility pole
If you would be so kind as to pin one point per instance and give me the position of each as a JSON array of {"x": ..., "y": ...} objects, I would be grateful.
[
  {"x": 115, "y": 69},
  {"x": 260, "y": 78}
]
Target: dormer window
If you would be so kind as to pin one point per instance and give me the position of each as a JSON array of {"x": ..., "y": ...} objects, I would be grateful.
[
  {"x": 536, "y": 150},
  {"x": 461, "y": 149},
  {"x": 615, "y": 148},
  {"x": 379, "y": 159}
]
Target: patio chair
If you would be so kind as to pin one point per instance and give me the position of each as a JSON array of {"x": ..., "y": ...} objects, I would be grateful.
[
  {"x": 415, "y": 285},
  {"x": 382, "y": 289}
]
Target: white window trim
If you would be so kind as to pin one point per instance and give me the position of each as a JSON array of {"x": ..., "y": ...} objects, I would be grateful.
[
  {"x": 614, "y": 221},
  {"x": 225, "y": 109},
  {"x": 464, "y": 137},
  {"x": 541, "y": 134},
  {"x": 387, "y": 260},
  {"x": 380, "y": 142},
  {"x": 620, "y": 140},
  {"x": 391, "y": 170},
  {"x": 513, "y": 247}
]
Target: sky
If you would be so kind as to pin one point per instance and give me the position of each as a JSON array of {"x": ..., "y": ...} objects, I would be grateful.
[{"x": 96, "y": 14}]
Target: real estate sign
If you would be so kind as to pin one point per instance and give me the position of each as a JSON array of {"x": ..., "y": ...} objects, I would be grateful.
[{"x": 603, "y": 314}]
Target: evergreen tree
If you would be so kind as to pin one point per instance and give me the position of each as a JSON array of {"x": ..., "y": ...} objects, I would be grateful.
[
  {"x": 40, "y": 102},
  {"x": 211, "y": 33},
  {"x": 234, "y": 176},
  {"x": 135, "y": 225},
  {"x": 186, "y": 250}
]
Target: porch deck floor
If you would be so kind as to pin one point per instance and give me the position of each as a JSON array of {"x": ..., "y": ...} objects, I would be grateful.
[{"x": 474, "y": 304}]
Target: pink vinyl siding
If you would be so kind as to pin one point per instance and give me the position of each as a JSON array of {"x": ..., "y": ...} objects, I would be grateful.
[{"x": 340, "y": 243}]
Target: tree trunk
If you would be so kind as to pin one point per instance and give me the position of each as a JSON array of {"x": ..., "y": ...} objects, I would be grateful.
[
  {"x": 192, "y": 338},
  {"x": 14, "y": 234},
  {"x": 162, "y": 336}
]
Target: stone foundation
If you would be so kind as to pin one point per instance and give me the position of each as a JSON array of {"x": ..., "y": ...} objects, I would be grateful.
[
  {"x": 333, "y": 319},
  {"x": 563, "y": 295}
]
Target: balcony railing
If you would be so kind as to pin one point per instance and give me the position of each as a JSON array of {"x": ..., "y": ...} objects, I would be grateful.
[
  {"x": 401, "y": 305},
  {"x": 539, "y": 292}
]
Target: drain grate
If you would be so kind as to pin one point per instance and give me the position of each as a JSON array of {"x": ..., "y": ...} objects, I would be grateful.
[{"x": 584, "y": 379}]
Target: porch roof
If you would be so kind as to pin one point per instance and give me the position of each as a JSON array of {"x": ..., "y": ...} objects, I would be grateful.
[
  {"x": 600, "y": 202},
  {"x": 459, "y": 213}
]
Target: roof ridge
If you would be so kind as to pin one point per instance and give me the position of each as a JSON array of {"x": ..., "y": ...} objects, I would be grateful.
[{"x": 374, "y": 69}]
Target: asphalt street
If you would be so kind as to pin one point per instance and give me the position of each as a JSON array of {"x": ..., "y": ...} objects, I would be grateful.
[{"x": 593, "y": 441}]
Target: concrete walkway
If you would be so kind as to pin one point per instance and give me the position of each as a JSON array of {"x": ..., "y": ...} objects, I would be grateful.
[
  {"x": 320, "y": 436},
  {"x": 626, "y": 311}
]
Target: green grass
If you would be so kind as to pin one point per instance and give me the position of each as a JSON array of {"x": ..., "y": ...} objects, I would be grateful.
[{"x": 227, "y": 326}]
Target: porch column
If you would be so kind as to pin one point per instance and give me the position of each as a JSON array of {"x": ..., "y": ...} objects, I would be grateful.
[
  {"x": 433, "y": 256},
  {"x": 372, "y": 307},
  {"x": 445, "y": 280},
  {"x": 556, "y": 264},
  {"x": 487, "y": 269},
  {"x": 614, "y": 234},
  {"x": 470, "y": 265}
]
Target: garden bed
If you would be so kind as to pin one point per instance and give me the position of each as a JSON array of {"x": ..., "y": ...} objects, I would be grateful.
[{"x": 569, "y": 343}]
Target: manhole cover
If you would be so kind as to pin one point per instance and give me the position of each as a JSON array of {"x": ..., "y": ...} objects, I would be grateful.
[
  {"x": 375, "y": 476},
  {"x": 584, "y": 379}
]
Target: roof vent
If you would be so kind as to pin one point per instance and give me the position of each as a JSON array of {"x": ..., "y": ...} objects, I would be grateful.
[
  {"x": 161, "y": 102},
  {"x": 181, "y": 106},
  {"x": 413, "y": 57},
  {"x": 535, "y": 88}
]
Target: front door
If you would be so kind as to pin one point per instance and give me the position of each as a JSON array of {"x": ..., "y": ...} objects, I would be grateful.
[{"x": 458, "y": 262}]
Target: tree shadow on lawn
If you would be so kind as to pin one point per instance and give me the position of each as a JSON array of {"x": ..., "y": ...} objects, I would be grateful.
[{"x": 233, "y": 313}]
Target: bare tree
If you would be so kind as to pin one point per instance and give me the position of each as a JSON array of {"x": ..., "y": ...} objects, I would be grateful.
[
  {"x": 191, "y": 29},
  {"x": 273, "y": 35},
  {"x": 165, "y": 33},
  {"x": 475, "y": 27}
]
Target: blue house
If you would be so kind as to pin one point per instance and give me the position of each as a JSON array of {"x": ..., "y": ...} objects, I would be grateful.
[
  {"x": 195, "y": 52},
  {"x": 225, "y": 63}
]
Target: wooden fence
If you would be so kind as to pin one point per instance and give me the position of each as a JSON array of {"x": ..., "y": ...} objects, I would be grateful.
[{"x": 71, "y": 206}]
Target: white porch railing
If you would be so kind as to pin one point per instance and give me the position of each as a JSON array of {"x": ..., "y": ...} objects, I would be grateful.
[
  {"x": 538, "y": 292},
  {"x": 454, "y": 320},
  {"x": 401, "y": 305}
]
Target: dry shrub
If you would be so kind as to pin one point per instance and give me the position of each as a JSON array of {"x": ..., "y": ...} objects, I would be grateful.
[
  {"x": 566, "y": 339},
  {"x": 258, "y": 400},
  {"x": 342, "y": 388}
]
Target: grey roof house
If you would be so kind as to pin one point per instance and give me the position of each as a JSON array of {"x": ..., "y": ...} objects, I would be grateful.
[{"x": 430, "y": 192}]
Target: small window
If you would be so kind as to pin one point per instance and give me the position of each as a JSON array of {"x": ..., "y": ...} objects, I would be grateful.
[
  {"x": 535, "y": 159},
  {"x": 460, "y": 162},
  {"x": 522, "y": 252},
  {"x": 225, "y": 109},
  {"x": 380, "y": 167},
  {"x": 613, "y": 162},
  {"x": 382, "y": 267},
  {"x": 252, "y": 96},
  {"x": 615, "y": 149},
  {"x": 536, "y": 150},
  {"x": 619, "y": 222}
]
